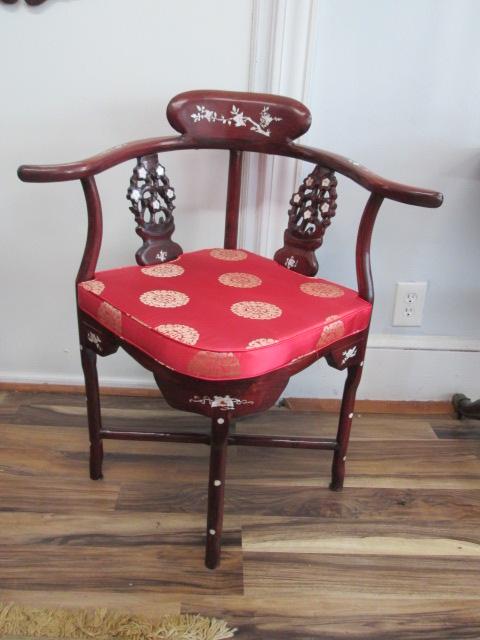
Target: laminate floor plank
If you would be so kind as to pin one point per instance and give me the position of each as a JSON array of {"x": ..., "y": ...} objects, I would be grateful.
[
  {"x": 306, "y": 501},
  {"x": 366, "y": 538},
  {"x": 395, "y": 556},
  {"x": 324, "y": 617},
  {"x": 348, "y": 575}
]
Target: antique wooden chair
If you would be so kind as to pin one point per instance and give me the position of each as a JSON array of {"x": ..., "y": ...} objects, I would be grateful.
[{"x": 222, "y": 329}]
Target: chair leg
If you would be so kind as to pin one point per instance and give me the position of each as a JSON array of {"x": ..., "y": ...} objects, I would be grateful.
[
  {"x": 89, "y": 365},
  {"x": 216, "y": 490},
  {"x": 344, "y": 426}
]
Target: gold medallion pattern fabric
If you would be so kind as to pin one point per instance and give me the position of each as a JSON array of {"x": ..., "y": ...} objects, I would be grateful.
[
  {"x": 110, "y": 317},
  {"x": 179, "y": 332},
  {"x": 164, "y": 298},
  {"x": 222, "y": 314},
  {"x": 229, "y": 255},
  {"x": 321, "y": 290},
  {"x": 95, "y": 286},
  {"x": 255, "y": 310},
  {"x": 240, "y": 280},
  {"x": 260, "y": 342},
  {"x": 163, "y": 270},
  {"x": 332, "y": 331},
  {"x": 211, "y": 364}
]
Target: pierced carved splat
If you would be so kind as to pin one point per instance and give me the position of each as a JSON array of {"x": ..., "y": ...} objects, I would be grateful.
[
  {"x": 312, "y": 207},
  {"x": 151, "y": 198}
]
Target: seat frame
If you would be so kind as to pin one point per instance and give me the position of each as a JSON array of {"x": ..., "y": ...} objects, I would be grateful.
[{"x": 217, "y": 399}]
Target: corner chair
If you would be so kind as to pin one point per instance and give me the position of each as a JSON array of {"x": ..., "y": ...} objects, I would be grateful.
[{"x": 223, "y": 329}]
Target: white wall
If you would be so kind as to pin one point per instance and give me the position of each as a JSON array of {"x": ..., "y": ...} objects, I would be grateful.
[
  {"x": 79, "y": 76},
  {"x": 396, "y": 86},
  {"x": 391, "y": 84}
]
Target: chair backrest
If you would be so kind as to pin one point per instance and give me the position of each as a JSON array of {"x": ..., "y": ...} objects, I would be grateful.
[
  {"x": 236, "y": 121},
  {"x": 232, "y": 115}
]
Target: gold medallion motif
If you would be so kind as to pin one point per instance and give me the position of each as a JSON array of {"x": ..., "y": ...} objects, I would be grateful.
[
  {"x": 179, "y": 332},
  {"x": 163, "y": 270},
  {"x": 240, "y": 280},
  {"x": 214, "y": 364},
  {"x": 260, "y": 342},
  {"x": 110, "y": 317},
  {"x": 256, "y": 310},
  {"x": 321, "y": 290},
  {"x": 232, "y": 255},
  {"x": 331, "y": 332},
  {"x": 164, "y": 298},
  {"x": 94, "y": 286}
]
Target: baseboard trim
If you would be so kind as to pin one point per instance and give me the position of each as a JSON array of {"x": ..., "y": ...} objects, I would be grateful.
[
  {"x": 324, "y": 405},
  {"x": 33, "y": 387},
  {"x": 403, "y": 407}
]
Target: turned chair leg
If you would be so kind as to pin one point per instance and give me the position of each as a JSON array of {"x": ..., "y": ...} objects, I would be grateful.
[
  {"x": 216, "y": 490},
  {"x": 344, "y": 426},
  {"x": 89, "y": 365}
]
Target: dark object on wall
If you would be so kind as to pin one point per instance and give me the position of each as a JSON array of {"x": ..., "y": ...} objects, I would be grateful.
[
  {"x": 292, "y": 318},
  {"x": 465, "y": 408},
  {"x": 32, "y": 3}
]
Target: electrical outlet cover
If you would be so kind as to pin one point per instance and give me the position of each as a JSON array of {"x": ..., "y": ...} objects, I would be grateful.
[{"x": 409, "y": 304}]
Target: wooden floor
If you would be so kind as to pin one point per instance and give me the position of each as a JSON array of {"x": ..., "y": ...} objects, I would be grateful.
[{"x": 395, "y": 556}]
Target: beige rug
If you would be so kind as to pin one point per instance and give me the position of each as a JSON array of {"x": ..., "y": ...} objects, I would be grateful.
[{"x": 102, "y": 624}]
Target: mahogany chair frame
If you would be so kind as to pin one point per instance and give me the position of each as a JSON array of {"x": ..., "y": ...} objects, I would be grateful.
[{"x": 261, "y": 391}]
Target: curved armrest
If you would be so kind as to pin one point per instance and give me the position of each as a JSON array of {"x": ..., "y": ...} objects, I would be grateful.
[
  {"x": 345, "y": 166},
  {"x": 369, "y": 180},
  {"x": 101, "y": 162}
]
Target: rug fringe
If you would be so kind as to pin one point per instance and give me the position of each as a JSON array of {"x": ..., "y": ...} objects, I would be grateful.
[{"x": 103, "y": 624}]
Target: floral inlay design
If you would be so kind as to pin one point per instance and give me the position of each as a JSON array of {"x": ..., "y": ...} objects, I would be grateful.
[
  {"x": 150, "y": 193},
  {"x": 224, "y": 403},
  {"x": 152, "y": 200},
  {"x": 290, "y": 262},
  {"x": 332, "y": 331},
  {"x": 94, "y": 286},
  {"x": 260, "y": 342},
  {"x": 214, "y": 364},
  {"x": 240, "y": 280},
  {"x": 256, "y": 310},
  {"x": 312, "y": 208},
  {"x": 349, "y": 353},
  {"x": 313, "y": 205},
  {"x": 164, "y": 298},
  {"x": 321, "y": 290},
  {"x": 237, "y": 118},
  {"x": 95, "y": 339},
  {"x": 179, "y": 332},
  {"x": 232, "y": 255},
  {"x": 163, "y": 270},
  {"x": 110, "y": 317}
]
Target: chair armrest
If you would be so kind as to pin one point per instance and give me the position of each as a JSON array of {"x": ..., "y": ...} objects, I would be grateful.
[
  {"x": 100, "y": 162},
  {"x": 366, "y": 178}
]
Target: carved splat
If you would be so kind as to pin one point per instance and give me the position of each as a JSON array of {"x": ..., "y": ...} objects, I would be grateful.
[
  {"x": 151, "y": 197},
  {"x": 312, "y": 207}
]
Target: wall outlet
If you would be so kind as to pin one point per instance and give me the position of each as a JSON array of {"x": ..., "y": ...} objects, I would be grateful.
[{"x": 409, "y": 303}]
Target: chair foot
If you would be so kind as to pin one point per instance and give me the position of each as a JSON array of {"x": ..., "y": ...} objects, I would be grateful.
[
  {"x": 96, "y": 459},
  {"x": 344, "y": 427},
  {"x": 216, "y": 491},
  {"x": 338, "y": 475},
  {"x": 89, "y": 365}
]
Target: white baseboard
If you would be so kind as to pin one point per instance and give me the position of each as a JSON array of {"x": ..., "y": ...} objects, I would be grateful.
[
  {"x": 423, "y": 343},
  {"x": 401, "y": 367},
  {"x": 397, "y": 367},
  {"x": 58, "y": 379}
]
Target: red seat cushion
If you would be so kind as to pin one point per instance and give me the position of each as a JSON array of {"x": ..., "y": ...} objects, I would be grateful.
[{"x": 222, "y": 314}]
